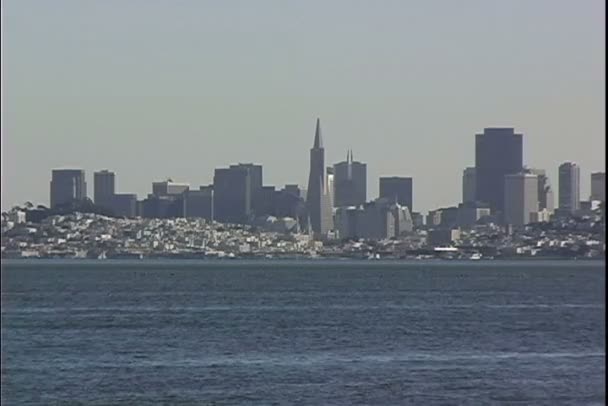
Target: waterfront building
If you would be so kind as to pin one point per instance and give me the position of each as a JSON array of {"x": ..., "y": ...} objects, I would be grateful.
[
  {"x": 397, "y": 189},
  {"x": 350, "y": 182},
  {"x": 521, "y": 198},
  {"x": 67, "y": 185},
  {"x": 498, "y": 152},
  {"x": 569, "y": 187},
  {"x": 318, "y": 198}
]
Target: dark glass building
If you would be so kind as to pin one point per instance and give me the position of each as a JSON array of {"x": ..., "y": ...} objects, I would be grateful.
[
  {"x": 498, "y": 152},
  {"x": 67, "y": 185},
  {"x": 234, "y": 192},
  {"x": 398, "y": 189},
  {"x": 104, "y": 187},
  {"x": 350, "y": 182}
]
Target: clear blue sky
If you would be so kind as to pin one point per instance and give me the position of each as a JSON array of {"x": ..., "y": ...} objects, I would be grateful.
[{"x": 157, "y": 89}]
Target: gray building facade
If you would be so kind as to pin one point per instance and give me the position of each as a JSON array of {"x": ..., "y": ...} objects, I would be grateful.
[
  {"x": 350, "y": 182},
  {"x": 569, "y": 187},
  {"x": 235, "y": 190},
  {"x": 398, "y": 190},
  {"x": 498, "y": 152},
  {"x": 521, "y": 198},
  {"x": 104, "y": 187},
  {"x": 67, "y": 185}
]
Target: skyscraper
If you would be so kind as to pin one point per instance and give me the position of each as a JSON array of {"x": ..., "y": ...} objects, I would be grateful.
[
  {"x": 235, "y": 190},
  {"x": 318, "y": 198},
  {"x": 104, "y": 187},
  {"x": 468, "y": 185},
  {"x": 350, "y": 182},
  {"x": 598, "y": 186},
  {"x": 569, "y": 187},
  {"x": 545, "y": 193},
  {"x": 521, "y": 198},
  {"x": 67, "y": 185},
  {"x": 397, "y": 190},
  {"x": 498, "y": 152}
]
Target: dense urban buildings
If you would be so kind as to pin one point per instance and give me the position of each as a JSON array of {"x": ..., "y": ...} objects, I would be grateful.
[
  {"x": 318, "y": 198},
  {"x": 397, "y": 189},
  {"x": 598, "y": 186},
  {"x": 350, "y": 182},
  {"x": 521, "y": 198},
  {"x": 498, "y": 152},
  {"x": 67, "y": 185},
  {"x": 569, "y": 187},
  {"x": 335, "y": 203}
]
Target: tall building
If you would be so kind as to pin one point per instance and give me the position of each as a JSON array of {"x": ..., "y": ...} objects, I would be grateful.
[
  {"x": 198, "y": 203},
  {"x": 397, "y": 189},
  {"x": 545, "y": 193},
  {"x": 379, "y": 219},
  {"x": 598, "y": 186},
  {"x": 569, "y": 187},
  {"x": 235, "y": 190},
  {"x": 104, "y": 187},
  {"x": 318, "y": 196},
  {"x": 124, "y": 204},
  {"x": 350, "y": 182},
  {"x": 521, "y": 198},
  {"x": 468, "y": 185},
  {"x": 498, "y": 152},
  {"x": 67, "y": 185}
]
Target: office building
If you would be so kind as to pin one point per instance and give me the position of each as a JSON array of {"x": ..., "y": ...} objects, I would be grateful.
[
  {"x": 397, "y": 189},
  {"x": 169, "y": 188},
  {"x": 445, "y": 217},
  {"x": 598, "y": 186},
  {"x": 545, "y": 192},
  {"x": 350, "y": 182},
  {"x": 164, "y": 206},
  {"x": 67, "y": 185},
  {"x": 521, "y": 198},
  {"x": 470, "y": 213},
  {"x": 498, "y": 152},
  {"x": 198, "y": 203},
  {"x": 124, "y": 205},
  {"x": 318, "y": 198},
  {"x": 103, "y": 187},
  {"x": 468, "y": 185},
  {"x": 569, "y": 187},
  {"x": 235, "y": 190},
  {"x": 377, "y": 220}
]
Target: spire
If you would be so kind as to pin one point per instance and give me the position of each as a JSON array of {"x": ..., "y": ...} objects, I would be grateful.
[
  {"x": 351, "y": 156},
  {"x": 318, "y": 139}
]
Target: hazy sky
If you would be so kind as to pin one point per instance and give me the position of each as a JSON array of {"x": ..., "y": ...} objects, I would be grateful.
[{"x": 157, "y": 89}]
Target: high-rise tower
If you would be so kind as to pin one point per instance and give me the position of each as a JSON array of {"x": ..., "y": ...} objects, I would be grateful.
[
  {"x": 318, "y": 198},
  {"x": 498, "y": 152},
  {"x": 350, "y": 182}
]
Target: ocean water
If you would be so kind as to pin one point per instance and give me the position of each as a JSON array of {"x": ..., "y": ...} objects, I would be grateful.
[{"x": 310, "y": 333}]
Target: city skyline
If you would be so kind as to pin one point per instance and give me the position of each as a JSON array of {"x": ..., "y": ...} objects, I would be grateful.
[{"x": 242, "y": 84}]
